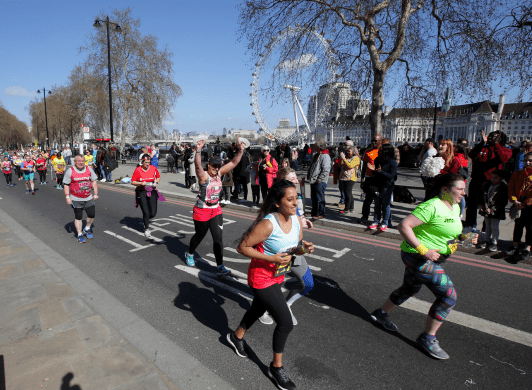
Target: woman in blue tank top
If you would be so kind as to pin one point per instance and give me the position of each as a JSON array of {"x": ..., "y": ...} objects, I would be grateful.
[{"x": 154, "y": 156}]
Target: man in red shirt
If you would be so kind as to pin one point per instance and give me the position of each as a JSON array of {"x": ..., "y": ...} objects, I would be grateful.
[
  {"x": 368, "y": 165},
  {"x": 41, "y": 168}
]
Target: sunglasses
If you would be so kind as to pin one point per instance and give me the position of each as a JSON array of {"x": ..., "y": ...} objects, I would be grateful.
[{"x": 375, "y": 140}]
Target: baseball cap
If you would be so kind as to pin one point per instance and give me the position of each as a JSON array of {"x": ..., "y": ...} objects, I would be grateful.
[{"x": 215, "y": 160}]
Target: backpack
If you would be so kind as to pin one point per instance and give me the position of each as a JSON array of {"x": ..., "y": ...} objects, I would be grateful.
[{"x": 401, "y": 194}]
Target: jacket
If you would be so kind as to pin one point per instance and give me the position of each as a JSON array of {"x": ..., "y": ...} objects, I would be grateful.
[
  {"x": 487, "y": 158},
  {"x": 320, "y": 168},
  {"x": 271, "y": 172},
  {"x": 191, "y": 163},
  {"x": 496, "y": 202},
  {"x": 348, "y": 169},
  {"x": 520, "y": 186},
  {"x": 385, "y": 178}
]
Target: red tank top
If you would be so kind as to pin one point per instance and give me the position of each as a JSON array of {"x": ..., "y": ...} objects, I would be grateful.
[{"x": 80, "y": 183}]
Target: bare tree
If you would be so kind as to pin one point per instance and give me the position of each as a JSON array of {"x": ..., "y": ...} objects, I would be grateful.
[
  {"x": 13, "y": 132},
  {"x": 142, "y": 77},
  {"x": 417, "y": 46}
]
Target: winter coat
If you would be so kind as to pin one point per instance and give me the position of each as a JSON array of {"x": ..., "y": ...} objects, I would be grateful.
[
  {"x": 386, "y": 177},
  {"x": 271, "y": 172},
  {"x": 320, "y": 168},
  {"x": 520, "y": 187},
  {"x": 496, "y": 202},
  {"x": 192, "y": 164}
]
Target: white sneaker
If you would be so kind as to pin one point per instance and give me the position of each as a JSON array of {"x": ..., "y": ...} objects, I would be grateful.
[
  {"x": 294, "y": 321},
  {"x": 266, "y": 319},
  {"x": 103, "y": 180},
  {"x": 147, "y": 233}
]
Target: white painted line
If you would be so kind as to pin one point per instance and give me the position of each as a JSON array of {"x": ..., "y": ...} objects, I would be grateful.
[
  {"x": 319, "y": 257},
  {"x": 138, "y": 247},
  {"x": 170, "y": 233},
  {"x": 342, "y": 252},
  {"x": 142, "y": 234},
  {"x": 469, "y": 321},
  {"x": 174, "y": 219},
  {"x": 337, "y": 253},
  {"x": 233, "y": 260},
  {"x": 211, "y": 278}
]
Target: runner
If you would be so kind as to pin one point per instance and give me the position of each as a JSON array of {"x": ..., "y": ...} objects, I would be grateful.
[
  {"x": 28, "y": 168},
  {"x": 154, "y": 156},
  {"x": 430, "y": 236},
  {"x": 207, "y": 211},
  {"x": 299, "y": 268},
  {"x": 6, "y": 168},
  {"x": 40, "y": 163},
  {"x": 78, "y": 182},
  {"x": 271, "y": 242},
  {"x": 89, "y": 159},
  {"x": 145, "y": 178},
  {"x": 59, "y": 167},
  {"x": 17, "y": 162}
]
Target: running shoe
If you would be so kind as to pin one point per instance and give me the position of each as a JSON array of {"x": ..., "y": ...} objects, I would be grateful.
[
  {"x": 266, "y": 319},
  {"x": 190, "y": 259},
  {"x": 294, "y": 321},
  {"x": 33, "y": 192},
  {"x": 525, "y": 255},
  {"x": 377, "y": 316},
  {"x": 483, "y": 245},
  {"x": 281, "y": 379},
  {"x": 237, "y": 344},
  {"x": 222, "y": 271},
  {"x": 374, "y": 226},
  {"x": 432, "y": 347},
  {"x": 27, "y": 192},
  {"x": 58, "y": 187},
  {"x": 8, "y": 185},
  {"x": 383, "y": 228},
  {"x": 81, "y": 239},
  {"x": 45, "y": 183},
  {"x": 11, "y": 185},
  {"x": 40, "y": 183},
  {"x": 512, "y": 251},
  {"x": 492, "y": 247},
  {"x": 147, "y": 233},
  {"x": 88, "y": 233},
  {"x": 103, "y": 180}
]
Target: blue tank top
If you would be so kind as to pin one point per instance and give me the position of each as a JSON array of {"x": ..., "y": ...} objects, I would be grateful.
[{"x": 279, "y": 241}]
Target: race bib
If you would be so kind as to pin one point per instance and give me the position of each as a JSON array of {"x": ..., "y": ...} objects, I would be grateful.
[{"x": 84, "y": 185}]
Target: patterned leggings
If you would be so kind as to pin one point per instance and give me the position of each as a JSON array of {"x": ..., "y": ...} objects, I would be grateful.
[{"x": 419, "y": 273}]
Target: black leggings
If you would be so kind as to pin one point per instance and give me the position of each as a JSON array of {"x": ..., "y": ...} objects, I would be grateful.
[
  {"x": 202, "y": 227},
  {"x": 270, "y": 299},
  {"x": 60, "y": 178},
  {"x": 9, "y": 178},
  {"x": 42, "y": 175},
  {"x": 148, "y": 205},
  {"x": 348, "y": 192},
  {"x": 18, "y": 171},
  {"x": 91, "y": 212}
]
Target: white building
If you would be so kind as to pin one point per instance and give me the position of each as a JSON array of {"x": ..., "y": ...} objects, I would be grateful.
[
  {"x": 462, "y": 121},
  {"x": 284, "y": 129},
  {"x": 249, "y": 134}
]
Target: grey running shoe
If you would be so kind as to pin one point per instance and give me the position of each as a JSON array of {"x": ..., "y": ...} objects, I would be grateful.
[
  {"x": 281, "y": 379},
  {"x": 221, "y": 271},
  {"x": 492, "y": 247},
  {"x": 237, "y": 344},
  {"x": 266, "y": 319},
  {"x": 432, "y": 347},
  {"x": 383, "y": 320},
  {"x": 483, "y": 245}
]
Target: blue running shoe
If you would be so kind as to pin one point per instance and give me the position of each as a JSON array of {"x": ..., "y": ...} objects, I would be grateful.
[
  {"x": 88, "y": 233},
  {"x": 222, "y": 271},
  {"x": 81, "y": 239},
  {"x": 190, "y": 259}
]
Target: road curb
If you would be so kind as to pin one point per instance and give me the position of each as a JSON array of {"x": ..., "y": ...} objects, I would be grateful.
[{"x": 180, "y": 367}]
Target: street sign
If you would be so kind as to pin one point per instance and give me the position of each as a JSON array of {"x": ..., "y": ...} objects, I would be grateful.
[{"x": 85, "y": 129}]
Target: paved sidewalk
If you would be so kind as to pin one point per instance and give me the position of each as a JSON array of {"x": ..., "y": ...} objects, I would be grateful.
[
  {"x": 60, "y": 330},
  {"x": 172, "y": 184}
]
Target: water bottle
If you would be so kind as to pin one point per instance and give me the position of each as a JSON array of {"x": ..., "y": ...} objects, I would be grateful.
[{"x": 470, "y": 234}]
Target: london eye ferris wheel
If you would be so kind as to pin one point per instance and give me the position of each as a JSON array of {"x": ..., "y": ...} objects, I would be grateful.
[{"x": 297, "y": 69}]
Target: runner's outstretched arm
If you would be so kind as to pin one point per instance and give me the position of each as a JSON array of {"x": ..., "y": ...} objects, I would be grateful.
[{"x": 234, "y": 162}]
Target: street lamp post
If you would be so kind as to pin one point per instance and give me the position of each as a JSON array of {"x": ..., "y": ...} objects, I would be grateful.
[
  {"x": 97, "y": 23},
  {"x": 45, "y": 116}
]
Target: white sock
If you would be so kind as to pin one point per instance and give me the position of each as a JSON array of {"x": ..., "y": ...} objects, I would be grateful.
[{"x": 87, "y": 229}]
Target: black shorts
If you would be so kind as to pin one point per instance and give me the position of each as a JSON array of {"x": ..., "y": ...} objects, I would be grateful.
[{"x": 88, "y": 205}]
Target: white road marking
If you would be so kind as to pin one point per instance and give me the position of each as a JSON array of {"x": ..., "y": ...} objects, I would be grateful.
[
  {"x": 211, "y": 278},
  {"x": 142, "y": 234},
  {"x": 138, "y": 247},
  {"x": 469, "y": 321},
  {"x": 337, "y": 253},
  {"x": 233, "y": 260},
  {"x": 170, "y": 233},
  {"x": 319, "y": 257}
]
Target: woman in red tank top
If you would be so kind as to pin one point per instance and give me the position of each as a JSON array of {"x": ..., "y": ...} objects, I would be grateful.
[{"x": 145, "y": 178}]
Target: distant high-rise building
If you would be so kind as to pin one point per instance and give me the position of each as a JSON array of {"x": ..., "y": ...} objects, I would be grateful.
[{"x": 224, "y": 131}]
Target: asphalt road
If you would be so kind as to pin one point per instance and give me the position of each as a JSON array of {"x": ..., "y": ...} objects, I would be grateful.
[{"x": 335, "y": 345}]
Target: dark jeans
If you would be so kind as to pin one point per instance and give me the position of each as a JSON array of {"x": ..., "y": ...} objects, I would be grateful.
[
  {"x": 382, "y": 206},
  {"x": 348, "y": 194},
  {"x": 472, "y": 204},
  {"x": 368, "y": 199},
  {"x": 241, "y": 183},
  {"x": 264, "y": 188},
  {"x": 341, "y": 188},
  {"x": 317, "y": 195},
  {"x": 524, "y": 221}
]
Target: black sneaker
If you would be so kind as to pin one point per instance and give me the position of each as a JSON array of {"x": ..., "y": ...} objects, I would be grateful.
[
  {"x": 525, "y": 255},
  {"x": 237, "y": 344},
  {"x": 432, "y": 347},
  {"x": 492, "y": 247},
  {"x": 281, "y": 379},
  {"x": 512, "y": 251},
  {"x": 383, "y": 320},
  {"x": 483, "y": 245}
]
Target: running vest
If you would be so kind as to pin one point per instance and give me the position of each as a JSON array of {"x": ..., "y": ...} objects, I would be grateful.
[
  {"x": 6, "y": 167},
  {"x": 209, "y": 193},
  {"x": 28, "y": 164},
  {"x": 80, "y": 183},
  {"x": 155, "y": 158}
]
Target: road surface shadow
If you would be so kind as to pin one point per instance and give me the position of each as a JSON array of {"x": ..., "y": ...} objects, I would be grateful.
[{"x": 65, "y": 385}]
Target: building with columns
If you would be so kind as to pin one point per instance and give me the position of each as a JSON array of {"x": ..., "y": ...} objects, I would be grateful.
[{"x": 461, "y": 121}]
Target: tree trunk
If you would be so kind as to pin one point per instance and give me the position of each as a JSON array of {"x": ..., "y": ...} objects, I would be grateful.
[
  {"x": 377, "y": 102},
  {"x": 124, "y": 132}
]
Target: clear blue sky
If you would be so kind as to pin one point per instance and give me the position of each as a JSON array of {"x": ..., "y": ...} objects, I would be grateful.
[{"x": 39, "y": 43}]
